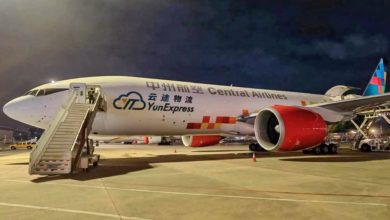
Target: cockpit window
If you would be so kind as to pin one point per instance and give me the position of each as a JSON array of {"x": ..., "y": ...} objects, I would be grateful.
[
  {"x": 43, "y": 92},
  {"x": 54, "y": 90},
  {"x": 32, "y": 92},
  {"x": 40, "y": 92}
]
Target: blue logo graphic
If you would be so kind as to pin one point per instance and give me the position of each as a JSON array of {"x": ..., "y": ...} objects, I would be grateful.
[{"x": 129, "y": 101}]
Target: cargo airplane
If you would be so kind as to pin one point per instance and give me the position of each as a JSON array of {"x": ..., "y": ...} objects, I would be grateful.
[{"x": 203, "y": 113}]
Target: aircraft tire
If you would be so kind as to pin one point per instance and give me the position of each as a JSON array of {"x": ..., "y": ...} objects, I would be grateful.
[
  {"x": 366, "y": 148},
  {"x": 317, "y": 150},
  {"x": 252, "y": 147},
  {"x": 332, "y": 149},
  {"x": 325, "y": 149}
]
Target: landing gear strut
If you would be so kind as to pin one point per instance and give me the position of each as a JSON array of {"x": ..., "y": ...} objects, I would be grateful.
[{"x": 255, "y": 147}]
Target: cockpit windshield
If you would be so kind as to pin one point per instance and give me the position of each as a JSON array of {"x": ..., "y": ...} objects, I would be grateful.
[
  {"x": 32, "y": 92},
  {"x": 44, "y": 92}
]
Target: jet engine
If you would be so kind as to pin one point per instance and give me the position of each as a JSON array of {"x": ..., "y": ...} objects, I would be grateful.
[
  {"x": 288, "y": 128},
  {"x": 152, "y": 139},
  {"x": 200, "y": 140}
]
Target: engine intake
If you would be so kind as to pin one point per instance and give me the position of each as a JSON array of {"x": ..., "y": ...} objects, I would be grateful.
[{"x": 288, "y": 128}]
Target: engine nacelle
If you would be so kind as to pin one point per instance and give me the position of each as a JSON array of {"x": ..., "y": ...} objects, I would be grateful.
[
  {"x": 200, "y": 140},
  {"x": 152, "y": 139},
  {"x": 287, "y": 128}
]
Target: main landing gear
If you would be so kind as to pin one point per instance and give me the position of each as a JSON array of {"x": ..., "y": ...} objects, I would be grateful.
[{"x": 322, "y": 149}]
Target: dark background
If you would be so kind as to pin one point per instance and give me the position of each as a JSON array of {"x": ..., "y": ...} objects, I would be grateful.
[{"x": 306, "y": 46}]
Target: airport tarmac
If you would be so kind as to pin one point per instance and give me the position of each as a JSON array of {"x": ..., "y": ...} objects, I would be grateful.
[{"x": 221, "y": 182}]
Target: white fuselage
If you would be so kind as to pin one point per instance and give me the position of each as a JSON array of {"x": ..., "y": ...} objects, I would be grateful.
[{"x": 141, "y": 106}]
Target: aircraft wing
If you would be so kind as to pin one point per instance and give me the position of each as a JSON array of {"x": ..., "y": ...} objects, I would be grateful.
[
  {"x": 337, "y": 111},
  {"x": 356, "y": 104}
]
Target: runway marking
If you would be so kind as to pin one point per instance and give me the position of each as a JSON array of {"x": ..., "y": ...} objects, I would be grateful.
[
  {"x": 214, "y": 195},
  {"x": 252, "y": 190},
  {"x": 69, "y": 211}
]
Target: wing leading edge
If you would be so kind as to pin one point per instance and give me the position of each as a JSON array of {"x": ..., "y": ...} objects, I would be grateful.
[{"x": 346, "y": 109}]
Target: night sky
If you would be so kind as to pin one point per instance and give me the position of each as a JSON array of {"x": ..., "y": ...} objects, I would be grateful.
[{"x": 306, "y": 46}]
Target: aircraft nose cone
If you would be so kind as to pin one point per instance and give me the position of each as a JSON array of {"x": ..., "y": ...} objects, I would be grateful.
[{"x": 11, "y": 108}]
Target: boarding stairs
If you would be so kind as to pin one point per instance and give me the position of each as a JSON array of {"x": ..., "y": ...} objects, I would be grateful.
[{"x": 59, "y": 149}]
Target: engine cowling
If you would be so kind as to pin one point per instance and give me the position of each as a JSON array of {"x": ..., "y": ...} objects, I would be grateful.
[
  {"x": 200, "y": 140},
  {"x": 288, "y": 128},
  {"x": 152, "y": 139}
]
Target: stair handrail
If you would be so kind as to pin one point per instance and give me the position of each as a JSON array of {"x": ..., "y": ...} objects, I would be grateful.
[
  {"x": 88, "y": 115},
  {"x": 44, "y": 140},
  {"x": 93, "y": 109}
]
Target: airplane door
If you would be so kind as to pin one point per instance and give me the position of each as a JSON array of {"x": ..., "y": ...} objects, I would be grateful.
[{"x": 80, "y": 89}]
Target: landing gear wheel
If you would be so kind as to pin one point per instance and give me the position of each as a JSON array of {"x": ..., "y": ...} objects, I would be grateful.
[
  {"x": 13, "y": 148},
  {"x": 366, "y": 148},
  {"x": 252, "y": 147},
  {"x": 332, "y": 149},
  {"x": 95, "y": 164},
  {"x": 29, "y": 147},
  {"x": 325, "y": 149},
  {"x": 317, "y": 150}
]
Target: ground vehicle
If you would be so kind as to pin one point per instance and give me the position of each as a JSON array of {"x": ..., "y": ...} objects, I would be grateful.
[
  {"x": 23, "y": 145},
  {"x": 375, "y": 144}
]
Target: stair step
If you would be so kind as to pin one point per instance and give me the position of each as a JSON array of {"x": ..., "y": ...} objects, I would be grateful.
[
  {"x": 62, "y": 141},
  {"x": 70, "y": 125},
  {"x": 66, "y": 132},
  {"x": 76, "y": 108},
  {"x": 75, "y": 117},
  {"x": 59, "y": 150},
  {"x": 50, "y": 172},
  {"x": 71, "y": 122},
  {"x": 67, "y": 129},
  {"x": 54, "y": 161},
  {"x": 67, "y": 126},
  {"x": 54, "y": 157},
  {"x": 76, "y": 113},
  {"x": 53, "y": 165},
  {"x": 56, "y": 154},
  {"x": 64, "y": 136},
  {"x": 59, "y": 146}
]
